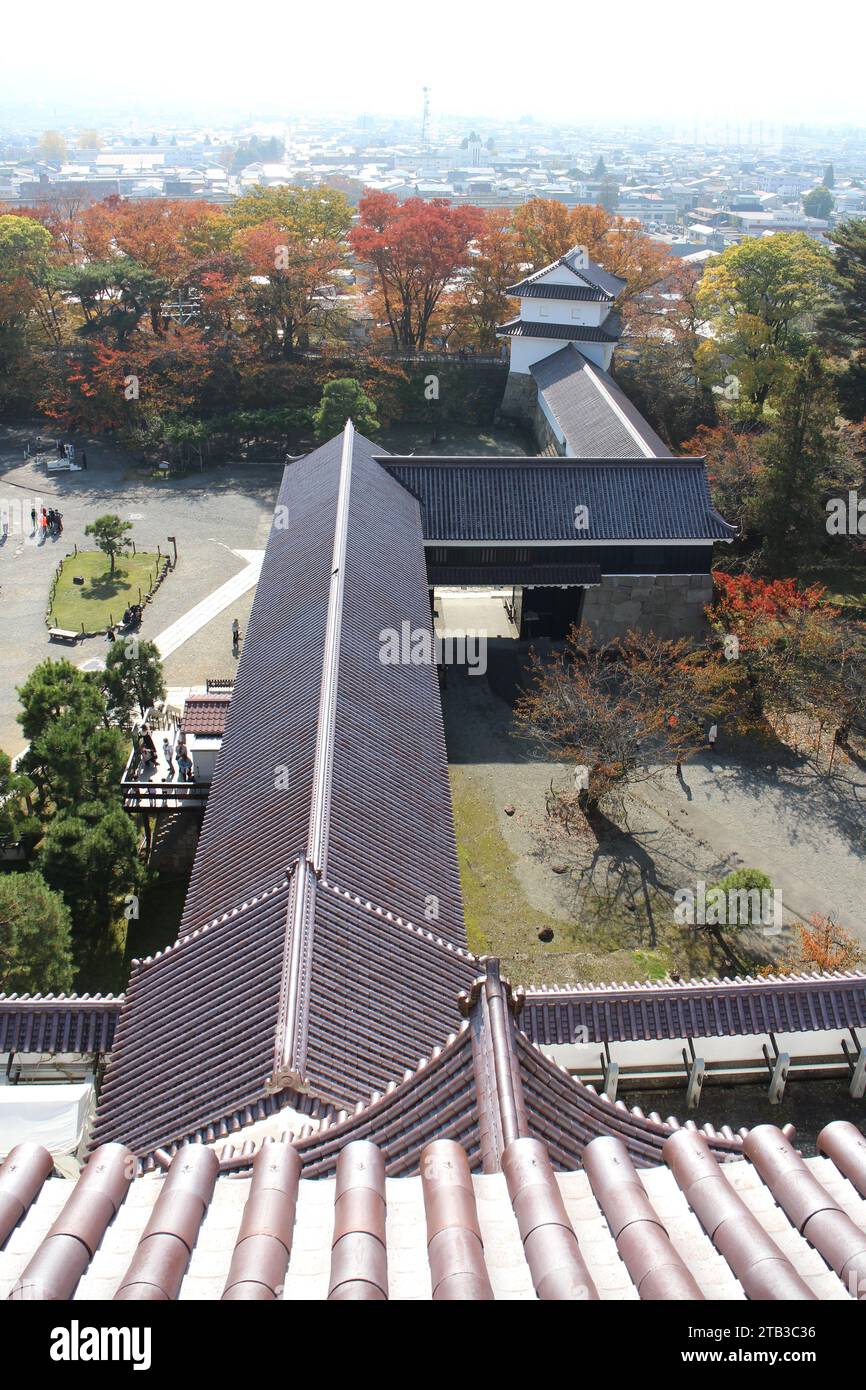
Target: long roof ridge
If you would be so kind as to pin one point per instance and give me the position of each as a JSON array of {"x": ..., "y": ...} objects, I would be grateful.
[
  {"x": 290, "y": 1042},
  {"x": 596, "y": 377},
  {"x": 706, "y": 982},
  {"x": 50, "y": 998}
]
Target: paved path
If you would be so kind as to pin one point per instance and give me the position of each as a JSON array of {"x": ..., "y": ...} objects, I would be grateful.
[{"x": 203, "y": 613}]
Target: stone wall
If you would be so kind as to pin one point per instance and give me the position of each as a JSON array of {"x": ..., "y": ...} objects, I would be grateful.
[
  {"x": 520, "y": 398},
  {"x": 671, "y": 605}
]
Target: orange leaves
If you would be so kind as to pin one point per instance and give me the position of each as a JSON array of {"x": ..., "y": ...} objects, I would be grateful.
[
  {"x": 741, "y": 596},
  {"x": 416, "y": 248}
]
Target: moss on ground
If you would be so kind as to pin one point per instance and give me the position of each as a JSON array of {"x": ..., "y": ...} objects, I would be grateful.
[{"x": 625, "y": 932}]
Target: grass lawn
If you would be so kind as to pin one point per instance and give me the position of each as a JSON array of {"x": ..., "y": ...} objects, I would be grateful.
[{"x": 103, "y": 596}]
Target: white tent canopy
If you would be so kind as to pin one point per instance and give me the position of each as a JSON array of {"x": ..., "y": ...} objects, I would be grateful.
[{"x": 53, "y": 1116}]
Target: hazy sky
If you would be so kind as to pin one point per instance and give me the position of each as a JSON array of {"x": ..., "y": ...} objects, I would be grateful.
[{"x": 771, "y": 60}]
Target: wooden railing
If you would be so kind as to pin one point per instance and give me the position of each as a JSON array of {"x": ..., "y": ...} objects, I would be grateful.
[{"x": 153, "y": 795}]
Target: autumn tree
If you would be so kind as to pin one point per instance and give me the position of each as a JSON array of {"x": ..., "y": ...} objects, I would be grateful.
[
  {"x": 545, "y": 229},
  {"x": 416, "y": 248},
  {"x": 734, "y": 467},
  {"x": 758, "y": 297},
  {"x": 287, "y": 294},
  {"x": 53, "y": 147},
  {"x": 796, "y": 654},
  {"x": 309, "y": 214},
  {"x": 620, "y": 712},
  {"x": 822, "y": 945},
  {"x": 479, "y": 303}
]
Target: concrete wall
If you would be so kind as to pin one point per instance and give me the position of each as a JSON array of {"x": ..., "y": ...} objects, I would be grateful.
[
  {"x": 671, "y": 605},
  {"x": 526, "y": 351}
]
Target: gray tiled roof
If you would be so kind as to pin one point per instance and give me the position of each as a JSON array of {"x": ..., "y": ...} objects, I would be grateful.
[
  {"x": 593, "y": 276},
  {"x": 596, "y": 417},
  {"x": 528, "y": 289},
  {"x": 567, "y": 332},
  {"x": 534, "y": 500}
]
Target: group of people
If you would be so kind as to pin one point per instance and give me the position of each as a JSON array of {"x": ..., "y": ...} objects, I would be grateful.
[
  {"x": 48, "y": 520},
  {"x": 180, "y": 755}
]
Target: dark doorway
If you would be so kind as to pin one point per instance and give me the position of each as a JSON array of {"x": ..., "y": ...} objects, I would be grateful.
[{"x": 550, "y": 612}]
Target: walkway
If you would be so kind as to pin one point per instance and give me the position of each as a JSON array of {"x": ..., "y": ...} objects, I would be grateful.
[{"x": 191, "y": 622}]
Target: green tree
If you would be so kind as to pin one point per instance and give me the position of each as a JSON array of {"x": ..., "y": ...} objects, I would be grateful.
[
  {"x": 829, "y": 177},
  {"x": 91, "y": 856},
  {"x": 818, "y": 202},
  {"x": 758, "y": 297},
  {"x": 73, "y": 761},
  {"x": 111, "y": 535},
  {"x": 843, "y": 325},
  {"x": 54, "y": 688},
  {"x": 15, "y": 787},
  {"x": 798, "y": 458},
  {"x": 133, "y": 676},
  {"x": 35, "y": 938},
  {"x": 310, "y": 214},
  {"x": 599, "y": 170},
  {"x": 343, "y": 400}
]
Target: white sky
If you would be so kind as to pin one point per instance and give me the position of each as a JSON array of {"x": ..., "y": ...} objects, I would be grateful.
[{"x": 737, "y": 60}]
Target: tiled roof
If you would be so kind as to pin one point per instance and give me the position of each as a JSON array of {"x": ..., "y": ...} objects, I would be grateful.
[
  {"x": 528, "y": 289},
  {"x": 517, "y": 499},
  {"x": 76, "y": 1023},
  {"x": 205, "y": 714},
  {"x": 770, "y": 1227},
  {"x": 574, "y": 332},
  {"x": 696, "y": 1008},
  {"x": 322, "y": 942},
  {"x": 596, "y": 417},
  {"x": 591, "y": 276}
]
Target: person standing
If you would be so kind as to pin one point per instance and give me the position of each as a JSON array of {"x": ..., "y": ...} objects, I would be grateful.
[
  {"x": 84, "y": 459},
  {"x": 33, "y": 521},
  {"x": 236, "y": 636},
  {"x": 169, "y": 758}
]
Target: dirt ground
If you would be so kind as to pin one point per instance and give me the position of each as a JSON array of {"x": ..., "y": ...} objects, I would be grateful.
[{"x": 608, "y": 896}]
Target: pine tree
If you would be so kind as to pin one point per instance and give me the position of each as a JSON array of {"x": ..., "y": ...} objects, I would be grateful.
[{"x": 798, "y": 458}]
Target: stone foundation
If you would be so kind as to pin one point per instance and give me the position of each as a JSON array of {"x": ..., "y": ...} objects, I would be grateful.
[
  {"x": 520, "y": 398},
  {"x": 671, "y": 605}
]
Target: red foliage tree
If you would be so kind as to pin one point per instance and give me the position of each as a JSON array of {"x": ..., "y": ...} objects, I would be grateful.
[{"x": 416, "y": 249}]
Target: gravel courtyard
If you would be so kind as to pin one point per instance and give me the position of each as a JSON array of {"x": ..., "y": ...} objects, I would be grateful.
[
  {"x": 609, "y": 902},
  {"x": 212, "y": 515}
]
